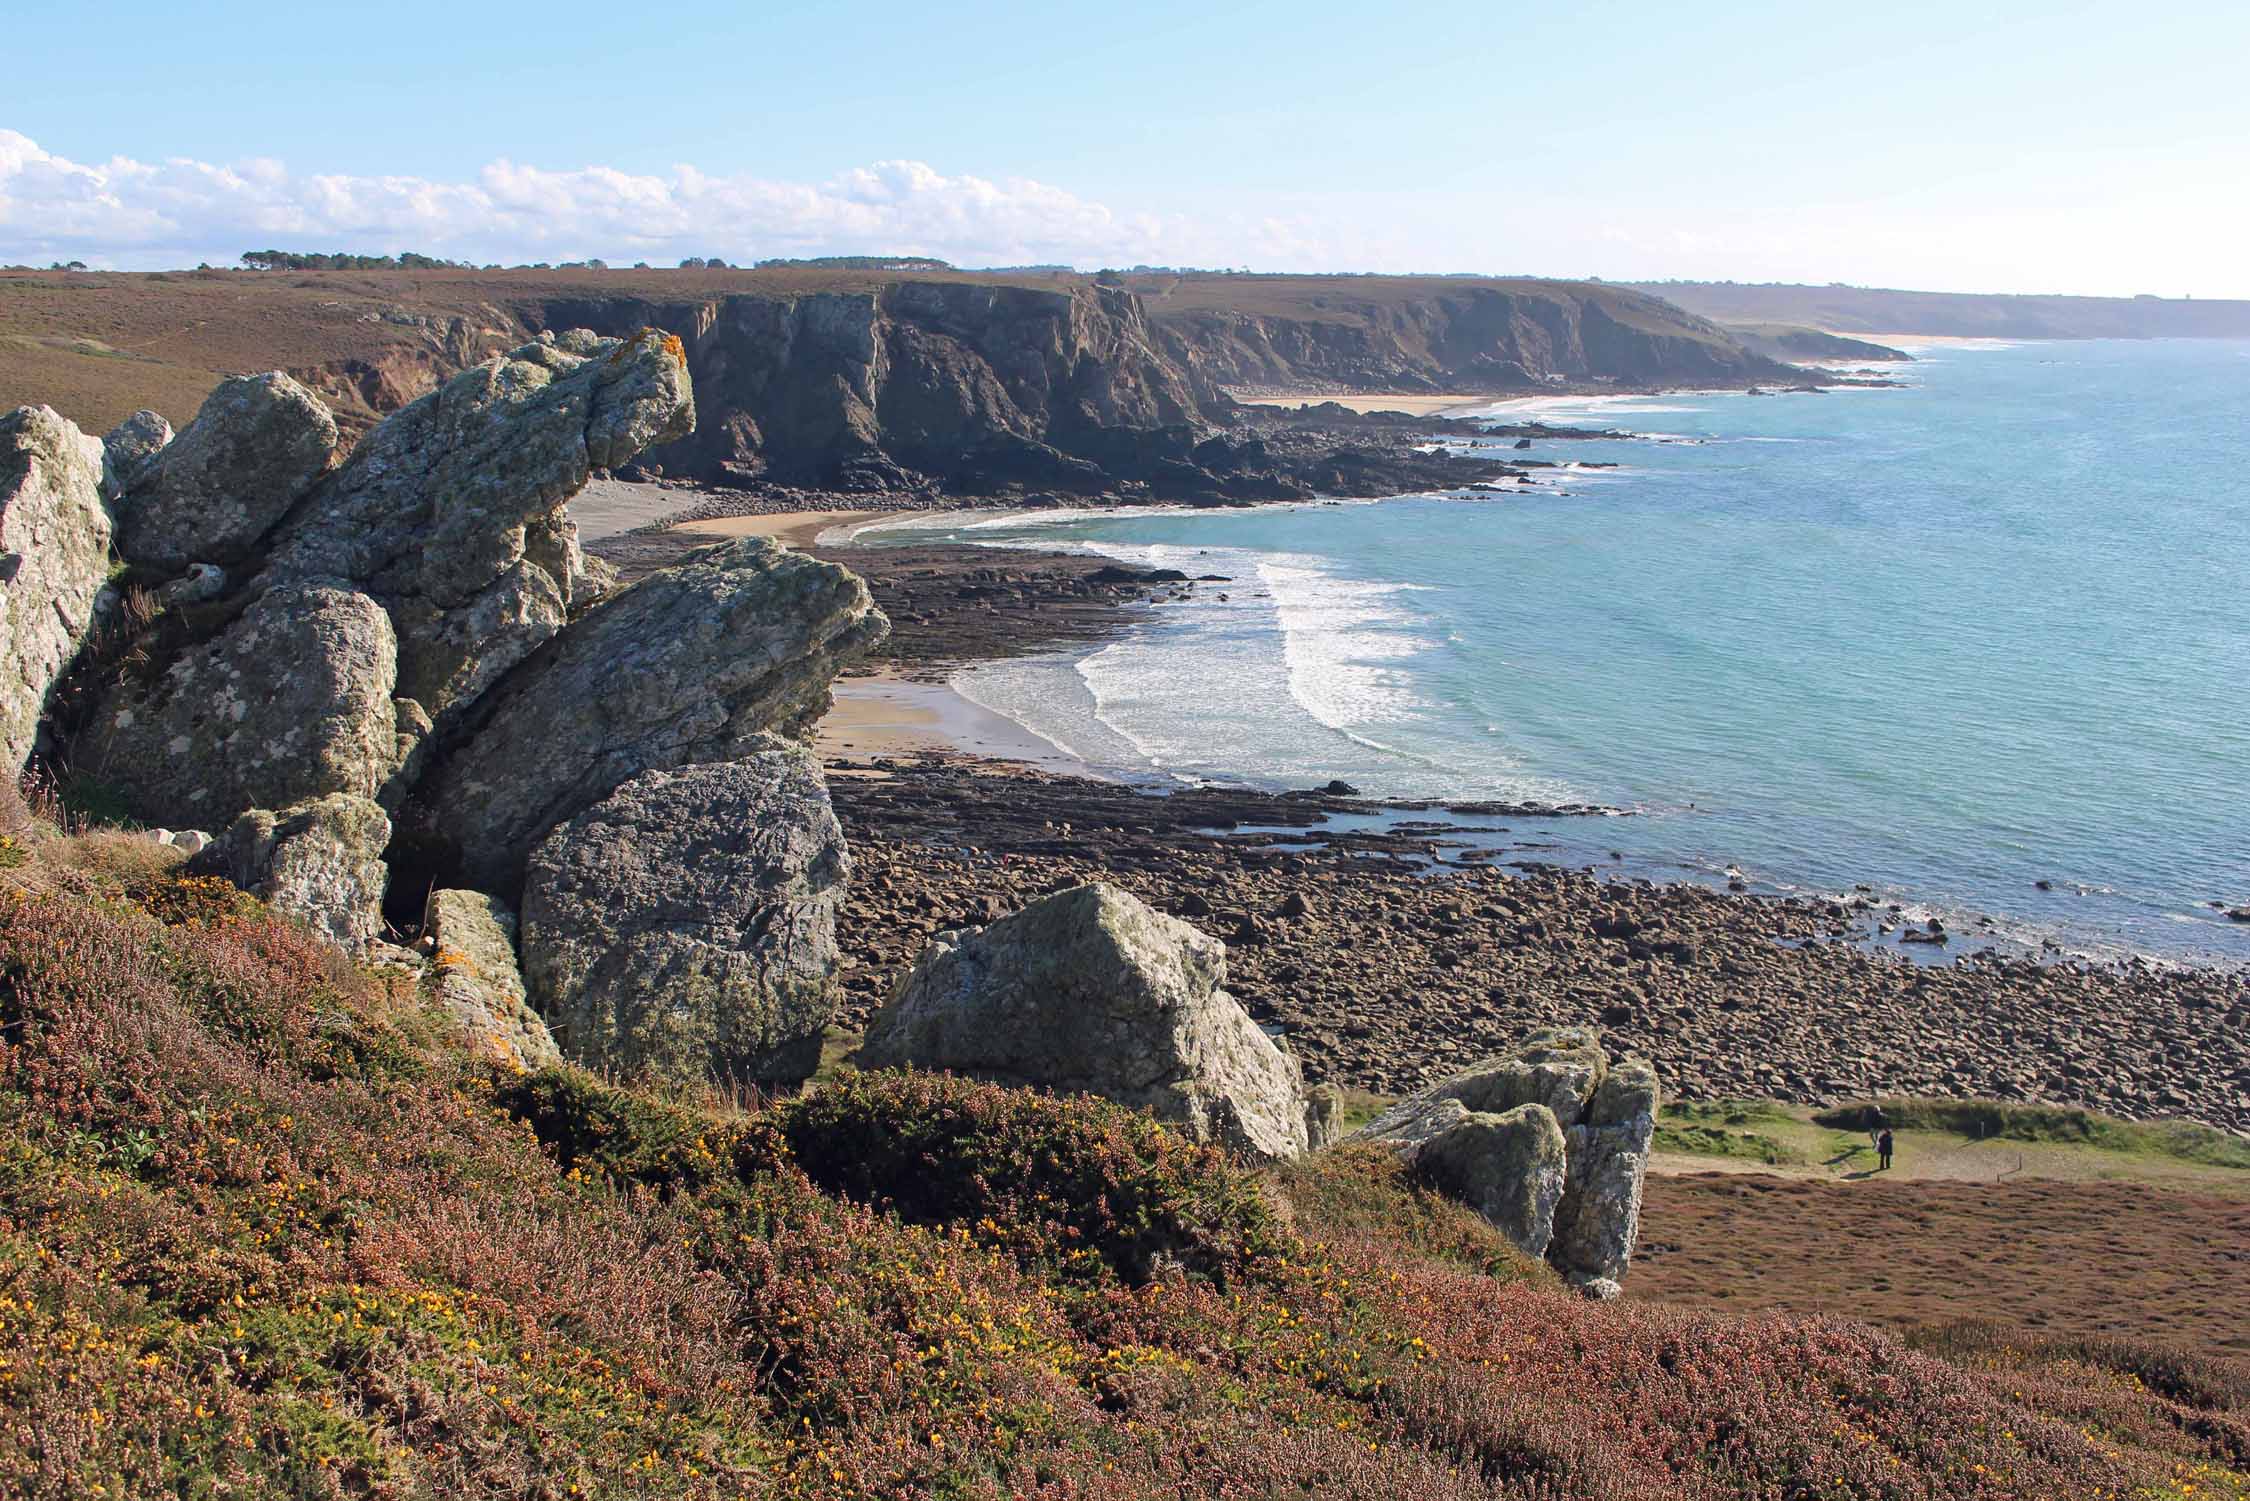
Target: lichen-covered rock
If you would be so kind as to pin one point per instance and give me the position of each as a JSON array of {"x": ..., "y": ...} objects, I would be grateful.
[
  {"x": 1606, "y": 1117},
  {"x": 54, "y": 557},
  {"x": 1092, "y": 991},
  {"x": 127, "y": 448},
  {"x": 1324, "y": 1116},
  {"x": 690, "y": 665},
  {"x": 291, "y": 701},
  {"x": 473, "y": 975},
  {"x": 1600, "y": 1216},
  {"x": 209, "y": 495},
  {"x": 450, "y": 511},
  {"x": 320, "y": 862},
  {"x": 686, "y": 924},
  {"x": 1510, "y": 1167}
]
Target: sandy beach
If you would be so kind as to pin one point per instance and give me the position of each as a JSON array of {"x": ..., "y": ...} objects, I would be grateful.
[
  {"x": 800, "y": 529},
  {"x": 886, "y": 715},
  {"x": 1413, "y": 403}
]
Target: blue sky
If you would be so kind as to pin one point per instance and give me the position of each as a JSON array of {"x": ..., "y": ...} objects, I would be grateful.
[{"x": 1976, "y": 147}]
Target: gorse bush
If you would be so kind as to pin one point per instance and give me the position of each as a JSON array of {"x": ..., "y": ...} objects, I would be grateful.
[{"x": 266, "y": 1229}]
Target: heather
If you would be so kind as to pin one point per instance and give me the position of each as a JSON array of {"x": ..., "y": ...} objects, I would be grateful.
[{"x": 268, "y": 1228}]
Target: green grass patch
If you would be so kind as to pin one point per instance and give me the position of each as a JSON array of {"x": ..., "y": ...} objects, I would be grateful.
[{"x": 1999, "y": 1120}]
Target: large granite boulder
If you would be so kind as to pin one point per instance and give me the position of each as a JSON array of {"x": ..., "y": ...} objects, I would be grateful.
[
  {"x": 1604, "y": 1120},
  {"x": 685, "y": 925},
  {"x": 208, "y": 496},
  {"x": 475, "y": 980},
  {"x": 450, "y": 512},
  {"x": 1511, "y": 1167},
  {"x": 54, "y": 558},
  {"x": 289, "y": 702},
  {"x": 1092, "y": 991},
  {"x": 128, "y": 447},
  {"x": 1599, "y": 1218},
  {"x": 320, "y": 862},
  {"x": 691, "y": 665}
]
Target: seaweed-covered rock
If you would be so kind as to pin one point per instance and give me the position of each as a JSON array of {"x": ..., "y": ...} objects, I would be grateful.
[
  {"x": 289, "y": 702},
  {"x": 474, "y": 977},
  {"x": 54, "y": 558},
  {"x": 209, "y": 495},
  {"x": 319, "y": 861},
  {"x": 686, "y": 924},
  {"x": 1606, "y": 1120},
  {"x": 1091, "y": 990},
  {"x": 690, "y": 665}
]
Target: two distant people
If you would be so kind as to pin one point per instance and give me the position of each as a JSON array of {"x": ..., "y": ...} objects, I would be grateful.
[{"x": 1880, "y": 1135}]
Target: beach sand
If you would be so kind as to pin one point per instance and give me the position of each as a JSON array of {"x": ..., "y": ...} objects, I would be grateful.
[
  {"x": 609, "y": 507},
  {"x": 886, "y": 714},
  {"x": 1413, "y": 403},
  {"x": 800, "y": 529}
]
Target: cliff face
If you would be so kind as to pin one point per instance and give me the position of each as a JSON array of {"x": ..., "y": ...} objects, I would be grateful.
[
  {"x": 1433, "y": 334},
  {"x": 972, "y": 384}
]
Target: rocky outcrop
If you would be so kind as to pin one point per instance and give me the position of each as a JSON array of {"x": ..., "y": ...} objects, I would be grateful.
[
  {"x": 291, "y": 701},
  {"x": 685, "y": 925},
  {"x": 451, "y": 513},
  {"x": 1510, "y": 1166},
  {"x": 320, "y": 862},
  {"x": 690, "y": 665},
  {"x": 1092, "y": 991},
  {"x": 128, "y": 447},
  {"x": 977, "y": 384},
  {"x": 1599, "y": 1217},
  {"x": 1556, "y": 1109},
  {"x": 360, "y": 610},
  {"x": 213, "y": 492},
  {"x": 54, "y": 557},
  {"x": 474, "y": 978}
]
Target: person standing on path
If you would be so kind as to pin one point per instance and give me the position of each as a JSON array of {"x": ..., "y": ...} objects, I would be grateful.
[{"x": 1883, "y": 1150}]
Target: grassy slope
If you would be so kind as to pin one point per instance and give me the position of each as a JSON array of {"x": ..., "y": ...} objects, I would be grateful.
[{"x": 264, "y": 1230}]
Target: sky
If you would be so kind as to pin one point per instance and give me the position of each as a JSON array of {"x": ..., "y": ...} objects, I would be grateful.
[{"x": 1993, "y": 146}]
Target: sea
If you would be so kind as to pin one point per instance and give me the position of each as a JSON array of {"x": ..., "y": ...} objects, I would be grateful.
[{"x": 1977, "y": 646}]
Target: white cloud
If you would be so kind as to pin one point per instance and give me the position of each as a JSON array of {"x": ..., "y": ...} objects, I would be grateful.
[{"x": 131, "y": 214}]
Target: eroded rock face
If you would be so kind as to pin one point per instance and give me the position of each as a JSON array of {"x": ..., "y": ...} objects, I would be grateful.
[
  {"x": 209, "y": 495},
  {"x": 450, "y": 511},
  {"x": 290, "y": 702},
  {"x": 1091, "y": 990},
  {"x": 689, "y": 666},
  {"x": 54, "y": 557},
  {"x": 1603, "y": 1119},
  {"x": 474, "y": 976},
  {"x": 1510, "y": 1167},
  {"x": 1599, "y": 1219},
  {"x": 686, "y": 924},
  {"x": 319, "y": 861},
  {"x": 127, "y": 448}
]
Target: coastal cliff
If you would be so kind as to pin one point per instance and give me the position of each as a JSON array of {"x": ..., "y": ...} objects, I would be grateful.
[
  {"x": 978, "y": 384},
  {"x": 1399, "y": 334}
]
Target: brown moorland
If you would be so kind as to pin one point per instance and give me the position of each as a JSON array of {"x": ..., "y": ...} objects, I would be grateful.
[
  {"x": 266, "y": 1228},
  {"x": 2054, "y": 1258}
]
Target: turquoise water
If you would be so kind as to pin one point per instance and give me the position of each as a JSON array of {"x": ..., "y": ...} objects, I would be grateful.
[{"x": 1948, "y": 641}]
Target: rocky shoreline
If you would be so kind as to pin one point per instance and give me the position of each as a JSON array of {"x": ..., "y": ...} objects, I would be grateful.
[{"x": 1727, "y": 993}]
